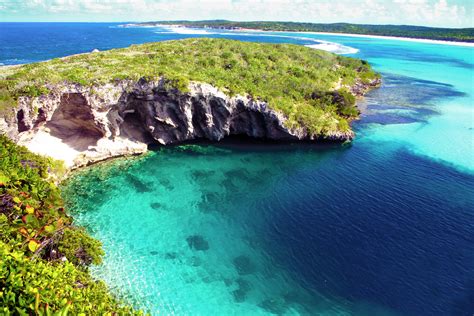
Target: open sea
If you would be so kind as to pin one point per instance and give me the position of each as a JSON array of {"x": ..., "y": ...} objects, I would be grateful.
[{"x": 381, "y": 226}]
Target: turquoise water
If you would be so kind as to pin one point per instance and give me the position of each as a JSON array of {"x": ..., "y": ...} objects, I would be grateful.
[
  {"x": 187, "y": 241},
  {"x": 382, "y": 226},
  {"x": 261, "y": 229}
]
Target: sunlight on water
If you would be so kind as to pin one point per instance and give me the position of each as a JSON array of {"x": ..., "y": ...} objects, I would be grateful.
[
  {"x": 196, "y": 230},
  {"x": 181, "y": 234},
  {"x": 185, "y": 249}
]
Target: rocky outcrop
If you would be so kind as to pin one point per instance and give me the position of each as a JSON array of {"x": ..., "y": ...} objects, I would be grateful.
[{"x": 81, "y": 125}]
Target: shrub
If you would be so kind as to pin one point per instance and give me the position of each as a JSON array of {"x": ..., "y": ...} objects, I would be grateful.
[
  {"x": 80, "y": 248},
  {"x": 37, "y": 287},
  {"x": 35, "y": 234}
]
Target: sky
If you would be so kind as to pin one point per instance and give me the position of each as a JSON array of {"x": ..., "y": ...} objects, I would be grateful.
[{"x": 442, "y": 13}]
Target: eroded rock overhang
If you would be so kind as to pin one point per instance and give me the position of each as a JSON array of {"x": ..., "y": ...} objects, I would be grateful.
[{"x": 80, "y": 125}]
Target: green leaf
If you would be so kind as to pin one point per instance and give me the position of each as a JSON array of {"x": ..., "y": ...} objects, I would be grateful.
[
  {"x": 3, "y": 178},
  {"x": 33, "y": 245},
  {"x": 30, "y": 219},
  {"x": 49, "y": 228}
]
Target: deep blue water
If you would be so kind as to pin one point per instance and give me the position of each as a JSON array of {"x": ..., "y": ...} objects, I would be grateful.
[
  {"x": 387, "y": 236},
  {"x": 379, "y": 227},
  {"x": 41, "y": 41},
  {"x": 30, "y": 42}
]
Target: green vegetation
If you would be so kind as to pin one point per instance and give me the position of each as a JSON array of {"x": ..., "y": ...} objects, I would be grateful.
[
  {"x": 36, "y": 235},
  {"x": 435, "y": 33},
  {"x": 286, "y": 76}
]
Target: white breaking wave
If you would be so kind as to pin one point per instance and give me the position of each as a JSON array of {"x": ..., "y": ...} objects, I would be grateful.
[
  {"x": 133, "y": 26},
  {"x": 319, "y": 44},
  {"x": 184, "y": 30},
  {"x": 334, "y": 48}
]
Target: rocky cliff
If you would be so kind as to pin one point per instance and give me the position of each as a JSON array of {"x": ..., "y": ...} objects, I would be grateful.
[{"x": 81, "y": 125}]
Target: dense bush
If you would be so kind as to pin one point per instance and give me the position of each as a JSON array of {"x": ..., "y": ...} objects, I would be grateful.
[
  {"x": 43, "y": 257},
  {"x": 39, "y": 287},
  {"x": 283, "y": 75},
  {"x": 31, "y": 209},
  {"x": 80, "y": 248}
]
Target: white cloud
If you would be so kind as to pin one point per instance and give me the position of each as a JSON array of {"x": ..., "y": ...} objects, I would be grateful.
[{"x": 424, "y": 12}]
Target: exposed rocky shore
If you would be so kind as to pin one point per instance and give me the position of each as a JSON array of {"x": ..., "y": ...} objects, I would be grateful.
[{"x": 81, "y": 125}]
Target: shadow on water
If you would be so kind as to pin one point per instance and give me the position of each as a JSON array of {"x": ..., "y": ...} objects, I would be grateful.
[{"x": 245, "y": 144}]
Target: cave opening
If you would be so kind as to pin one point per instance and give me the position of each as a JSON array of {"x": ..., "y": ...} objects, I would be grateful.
[
  {"x": 20, "y": 117},
  {"x": 133, "y": 127},
  {"x": 73, "y": 122}
]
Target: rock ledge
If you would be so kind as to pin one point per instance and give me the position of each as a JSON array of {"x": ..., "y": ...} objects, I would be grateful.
[{"x": 81, "y": 125}]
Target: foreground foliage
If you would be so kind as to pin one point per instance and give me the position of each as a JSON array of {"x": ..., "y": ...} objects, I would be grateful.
[
  {"x": 435, "y": 33},
  {"x": 287, "y": 76},
  {"x": 43, "y": 257},
  {"x": 47, "y": 288}
]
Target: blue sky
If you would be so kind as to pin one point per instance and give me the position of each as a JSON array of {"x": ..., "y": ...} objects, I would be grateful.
[{"x": 448, "y": 13}]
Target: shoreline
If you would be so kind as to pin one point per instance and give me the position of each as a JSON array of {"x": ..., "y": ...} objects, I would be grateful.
[{"x": 406, "y": 39}]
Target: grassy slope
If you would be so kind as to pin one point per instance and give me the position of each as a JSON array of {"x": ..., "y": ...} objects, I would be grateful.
[
  {"x": 435, "y": 33},
  {"x": 287, "y": 76}
]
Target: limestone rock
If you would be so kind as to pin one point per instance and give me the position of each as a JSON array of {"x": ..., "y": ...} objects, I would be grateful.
[{"x": 81, "y": 125}]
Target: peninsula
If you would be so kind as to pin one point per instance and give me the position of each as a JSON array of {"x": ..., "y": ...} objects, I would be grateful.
[{"x": 95, "y": 106}]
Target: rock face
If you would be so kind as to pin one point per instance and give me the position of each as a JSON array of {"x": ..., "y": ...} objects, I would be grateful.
[{"x": 81, "y": 125}]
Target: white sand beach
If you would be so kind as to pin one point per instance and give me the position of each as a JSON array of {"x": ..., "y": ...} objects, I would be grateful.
[{"x": 407, "y": 39}]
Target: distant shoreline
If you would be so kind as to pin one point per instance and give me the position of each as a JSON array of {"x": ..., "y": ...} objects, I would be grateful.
[
  {"x": 239, "y": 29},
  {"x": 407, "y": 39}
]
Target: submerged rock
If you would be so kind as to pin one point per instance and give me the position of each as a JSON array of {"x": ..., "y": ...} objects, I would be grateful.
[
  {"x": 228, "y": 185},
  {"x": 155, "y": 205},
  {"x": 243, "y": 284},
  {"x": 171, "y": 255},
  {"x": 166, "y": 183},
  {"x": 243, "y": 265},
  {"x": 240, "y": 294},
  {"x": 139, "y": 185},
  {"x": 199, "y": 175},
  {"x": 197, "y": 242}
]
